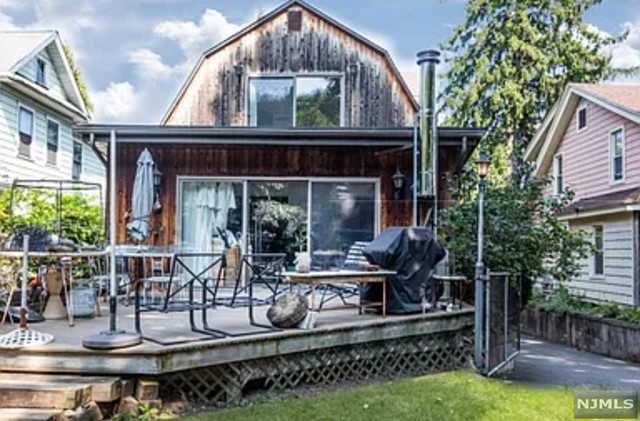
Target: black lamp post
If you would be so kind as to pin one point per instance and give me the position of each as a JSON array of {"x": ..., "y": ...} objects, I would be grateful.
[
  {"x": 482, "y": 166},
  {"x": 398, "y": 183}
]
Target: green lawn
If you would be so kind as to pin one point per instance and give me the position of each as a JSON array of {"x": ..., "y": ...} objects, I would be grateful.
[{"x": 460, "y": 395}]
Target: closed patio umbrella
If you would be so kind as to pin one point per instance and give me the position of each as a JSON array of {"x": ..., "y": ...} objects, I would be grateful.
[{"x": 142, "y": 198}]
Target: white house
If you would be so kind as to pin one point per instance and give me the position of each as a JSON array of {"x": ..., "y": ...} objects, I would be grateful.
[{"x": 39, "y": 103}]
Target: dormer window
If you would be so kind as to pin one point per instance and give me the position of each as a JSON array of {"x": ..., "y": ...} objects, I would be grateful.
[
  {"x": 41, "y": 69},
  {"x": 301, "y": 101}
]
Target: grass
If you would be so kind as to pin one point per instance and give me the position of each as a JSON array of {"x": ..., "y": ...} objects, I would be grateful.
[{"x": 460, "y": 395}]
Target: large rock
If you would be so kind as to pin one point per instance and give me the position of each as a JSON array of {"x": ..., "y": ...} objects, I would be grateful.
[{"x": 288, "y": 311}]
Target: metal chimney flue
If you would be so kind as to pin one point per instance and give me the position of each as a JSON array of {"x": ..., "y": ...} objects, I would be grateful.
[{"x": 427, "y": 60}]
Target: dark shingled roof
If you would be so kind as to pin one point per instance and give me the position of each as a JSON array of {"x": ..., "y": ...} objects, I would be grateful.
[{"x": 605, "y": 201}]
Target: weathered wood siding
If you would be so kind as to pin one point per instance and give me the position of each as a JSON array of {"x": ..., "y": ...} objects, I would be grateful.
[
  {"x": 618, "y": 282},
  {"x": 586, "y": 158},
  {"x": 373, "y": 94},
  {"x": 246, "y": 161}
]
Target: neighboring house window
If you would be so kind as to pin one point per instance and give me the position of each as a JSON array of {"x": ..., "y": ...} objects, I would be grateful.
[
  {"x": 302, "y": 101},
  {"x": 53, "y": 139},
  {"x": 582, "y": 117},
  {"x": 41, "y": 67},
  {"x": 617, "y": 154},
  {"x": 598, "y": 243},
  {"x": 25, "y": 130},
  {"x": 558, "y": 174},
  {"x": 76, "y": 171}
]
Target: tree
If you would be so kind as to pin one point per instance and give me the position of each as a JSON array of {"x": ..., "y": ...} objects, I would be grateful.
[
  {"x": 522, "y": 235},
  {"x": 510, "y": 61},
  {"x": 82, "y": 87},
  {"x": 81, "y": 217}
]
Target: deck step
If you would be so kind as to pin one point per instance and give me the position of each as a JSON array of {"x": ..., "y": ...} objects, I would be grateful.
[
  {"x": 24, "y": 414},
  {"x": 14, "y": 394},
  {"x": 103, "y": 389}
]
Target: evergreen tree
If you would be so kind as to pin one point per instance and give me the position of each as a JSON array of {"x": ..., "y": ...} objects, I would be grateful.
[{"x": 509, "y": 63}]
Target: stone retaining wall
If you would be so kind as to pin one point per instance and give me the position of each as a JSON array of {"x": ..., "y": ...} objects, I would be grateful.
[{"x": 613, "y": 338}]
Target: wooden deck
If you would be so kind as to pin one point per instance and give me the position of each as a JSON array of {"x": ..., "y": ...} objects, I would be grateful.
[
  {"x": 335, "y": 328},
  {"x": 344, "y": 347}
]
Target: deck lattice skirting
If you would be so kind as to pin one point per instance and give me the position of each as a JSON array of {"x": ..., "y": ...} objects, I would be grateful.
[{"x": 231, "y": 383}]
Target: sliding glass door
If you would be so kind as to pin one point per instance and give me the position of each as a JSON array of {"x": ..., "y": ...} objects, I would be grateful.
[
  {"x": 278, "y": 216},
  {"x": 342, "y": 213},
  {"x": 325, "y": 217},
  {"x": 210, "y": 212}
]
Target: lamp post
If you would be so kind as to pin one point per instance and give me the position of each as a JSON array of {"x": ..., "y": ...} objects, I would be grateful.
[{"x": 482, "y": 166}]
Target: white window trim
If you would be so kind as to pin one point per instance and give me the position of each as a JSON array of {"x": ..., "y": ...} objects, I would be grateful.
[
  {"x": 294, "y": 76},
  {"x": 33, "y": 130},
  {"x": 46, "y": 142},
  {"x": 44, "y": 71},
  {"x": 586, "y": 118},
  {"x": 611, "y": 149},
  {"x": 555, "y": 174},
  {"x": 595, "y": 275}
]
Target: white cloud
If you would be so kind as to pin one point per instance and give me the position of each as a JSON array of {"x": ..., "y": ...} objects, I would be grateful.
[
  {"x": 118, "y": 102},
  {"x": 193, "y": 38},
  {"x": 627, "y": 54},
  {"x": 149, "y": 64}
]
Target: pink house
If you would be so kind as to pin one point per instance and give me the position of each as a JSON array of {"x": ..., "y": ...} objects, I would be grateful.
[{"x": 590, "y": 143}]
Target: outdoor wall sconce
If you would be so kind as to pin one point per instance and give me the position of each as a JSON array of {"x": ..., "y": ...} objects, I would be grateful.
[
  {"x": 157, "y": 182},
  {"x": 238, "y": 69},
  {"x": 399, "y": 180}
]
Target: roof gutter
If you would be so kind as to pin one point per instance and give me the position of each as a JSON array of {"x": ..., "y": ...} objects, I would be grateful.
[{"x": 599, "y": 212}]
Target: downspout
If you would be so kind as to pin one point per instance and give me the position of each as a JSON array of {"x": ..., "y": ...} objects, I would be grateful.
[
  {"x": 414, "y": 185},
  {"x": 428, "y": 60}
]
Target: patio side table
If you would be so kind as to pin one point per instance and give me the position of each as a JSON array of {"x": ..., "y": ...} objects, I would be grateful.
[{"x": 315, "y": 279}]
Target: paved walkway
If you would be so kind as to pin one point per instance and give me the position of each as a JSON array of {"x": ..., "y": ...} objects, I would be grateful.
[{"x": 545, "y": 363}]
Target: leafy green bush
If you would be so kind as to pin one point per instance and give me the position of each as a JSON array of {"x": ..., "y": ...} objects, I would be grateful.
[
  {"x": 562, "y": 301},
  {"x": 146, "y": 413},
  {"x": 522, "y": 234},
  {"x": 81, "y": 216}
]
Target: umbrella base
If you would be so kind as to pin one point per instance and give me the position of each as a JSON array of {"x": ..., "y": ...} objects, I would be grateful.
[{"x": 112, "y": 340}]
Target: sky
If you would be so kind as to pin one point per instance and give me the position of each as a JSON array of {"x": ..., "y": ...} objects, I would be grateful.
[{"x": 135, "y": 54}]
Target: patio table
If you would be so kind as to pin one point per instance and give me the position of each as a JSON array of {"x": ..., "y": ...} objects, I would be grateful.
[{"x": 320, "y": 278}]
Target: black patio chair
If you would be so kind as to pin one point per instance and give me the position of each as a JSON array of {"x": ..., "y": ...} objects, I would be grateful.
[{"x": 183, "y": 278}]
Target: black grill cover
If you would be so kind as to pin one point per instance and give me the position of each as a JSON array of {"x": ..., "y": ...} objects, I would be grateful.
[{"x": 411, "y": 252}]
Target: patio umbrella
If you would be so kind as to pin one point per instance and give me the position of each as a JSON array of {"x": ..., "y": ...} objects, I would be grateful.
[{"x": 142, "y": 198}]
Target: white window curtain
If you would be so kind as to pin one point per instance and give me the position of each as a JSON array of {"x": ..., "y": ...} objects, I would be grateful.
[{"x": 205, "y": 210}]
